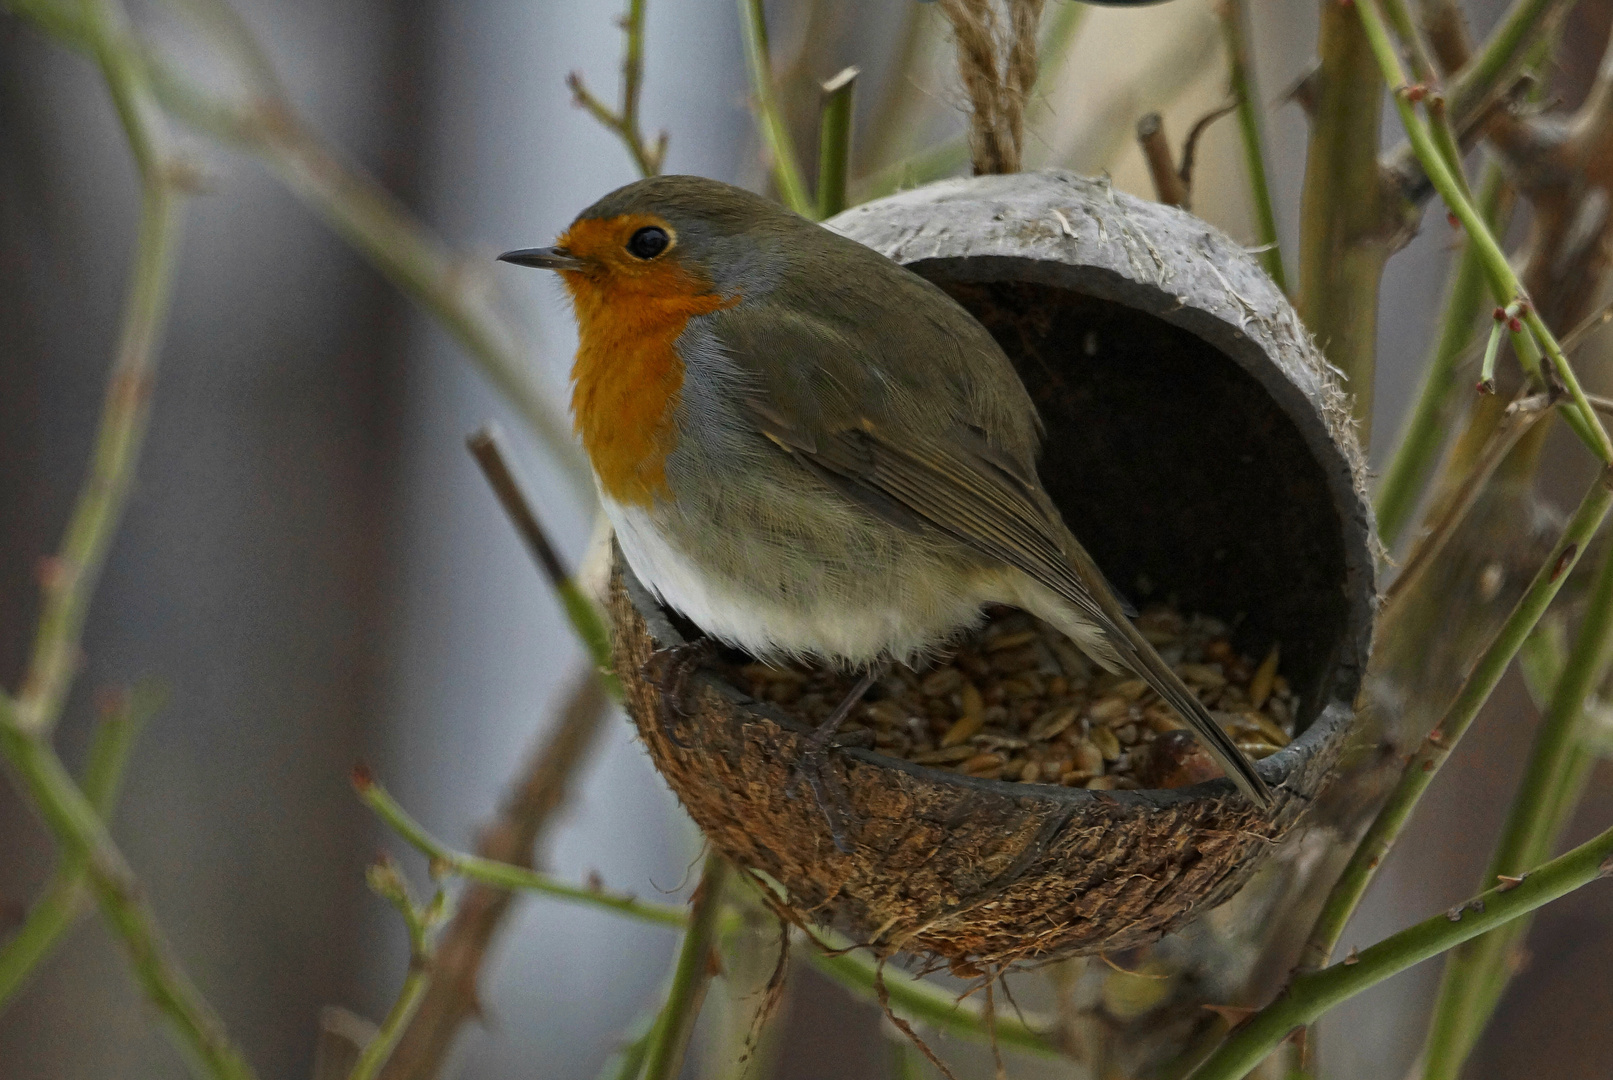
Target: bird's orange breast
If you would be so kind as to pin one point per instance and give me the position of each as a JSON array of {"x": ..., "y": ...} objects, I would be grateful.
[{"x": 628, "y": 375}]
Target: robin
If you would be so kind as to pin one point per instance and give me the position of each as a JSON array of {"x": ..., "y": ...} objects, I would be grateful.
[{"x": 815, "y": 454}]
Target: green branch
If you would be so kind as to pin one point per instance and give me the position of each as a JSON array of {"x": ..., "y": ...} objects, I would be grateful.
[
  {"x": 362, "y": 213},
  {"x": 769, "y": 121},
  {"x": 1476, "y": 689},
  {"x": 502, "y": 875},
  {"x": 1503, "y": 280},
  {"x": 834, "y": 142},
  {"x": 1476, "y": 973},
  {"x": 386, "y": 882},
  {"x": 80, "y": 833},
  {"x": 690, "y": 976},
  {"x": 836, "y": 956},
  {"x": 71, "y": 576},
  {"x": 63, "y": 899},
  {"x": 1313, "y": 993},
  {"x": 1347, "y": 214},
  {"x": 1241, "y": 74}
]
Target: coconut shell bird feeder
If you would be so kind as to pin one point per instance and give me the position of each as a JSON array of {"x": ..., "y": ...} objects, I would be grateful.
[{"x": 1197, "y": 441}]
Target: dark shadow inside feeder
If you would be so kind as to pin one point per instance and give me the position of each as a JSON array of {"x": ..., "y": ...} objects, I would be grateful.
[{"x": 1178, "y": 471}]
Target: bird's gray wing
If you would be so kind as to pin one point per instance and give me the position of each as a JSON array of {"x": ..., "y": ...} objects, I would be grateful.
[{"x": 959, "y": 485}]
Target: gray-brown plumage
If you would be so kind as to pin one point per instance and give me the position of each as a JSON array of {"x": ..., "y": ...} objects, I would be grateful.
[{"x": 853, "y": 473}]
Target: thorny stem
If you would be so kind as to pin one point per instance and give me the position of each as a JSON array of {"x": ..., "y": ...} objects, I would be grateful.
[
  {"x": 445, "y": 860},
  {"x": 1343, "y": 242},
  {"x": 1476, "y": 689},
  {"x": 80, "y": 833},
  {"x": 1428, "y": 87},
  {"x": 1251, "y": 124},
  {"x": 461, "y": 950},
  {"x": 1500, "y": 56},
  {"x": 1413, "y": 460},
  {"x": 1460, "y": 1010},
  {"x": 624, "y": 122},
  {"x": 1312, "y": 993},
  {"x": 834, "y": 955},
  {"x": 62, "y": 900},
  {"x": 834, "y": 142},
  {"x": 487, "y": 447},
  {"x": 769, "y": 121},
  {"x": 70, "y": 577},
  {"x": 26, "y": 721},
  {"x": 690, "y": 977},
  {"x": 389, "y": 885},
  {"x": 1503, "y": 280}
]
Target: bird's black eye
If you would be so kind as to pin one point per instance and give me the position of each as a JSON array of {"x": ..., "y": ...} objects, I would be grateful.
[{"x": 649, "y": 242}]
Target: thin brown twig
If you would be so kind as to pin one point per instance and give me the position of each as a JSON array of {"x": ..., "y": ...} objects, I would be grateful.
[
  {"x": 1169, "y": 187},
  {"x": 462, "y": 948},
  {"x": 487, "y": 447},
  {"x": 1190, "y": 146}
]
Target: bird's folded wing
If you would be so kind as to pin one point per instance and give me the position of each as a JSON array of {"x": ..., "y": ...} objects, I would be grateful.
[{"x": 960, "y": 486}]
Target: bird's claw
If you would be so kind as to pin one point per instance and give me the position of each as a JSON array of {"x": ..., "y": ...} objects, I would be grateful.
[{"x": 669, "y": 671}]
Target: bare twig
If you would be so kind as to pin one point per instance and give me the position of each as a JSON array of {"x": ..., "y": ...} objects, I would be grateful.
[
  {"x": 462, "y": 947},
  {"x": 487, "y": 447},
  {"x": 624, "y": 120},
  {"x": 1168, "y": 186},
  {"x": 1190, "y": 145}
]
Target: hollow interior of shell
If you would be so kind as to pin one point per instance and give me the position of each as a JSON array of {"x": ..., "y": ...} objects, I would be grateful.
[{"x": 1188, "y": 483}]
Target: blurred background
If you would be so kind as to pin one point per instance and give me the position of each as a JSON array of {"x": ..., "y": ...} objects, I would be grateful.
[{"x": 314, "y": 569}]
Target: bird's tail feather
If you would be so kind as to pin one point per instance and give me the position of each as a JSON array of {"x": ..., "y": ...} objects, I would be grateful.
[{"x": 1139, "y": 655}]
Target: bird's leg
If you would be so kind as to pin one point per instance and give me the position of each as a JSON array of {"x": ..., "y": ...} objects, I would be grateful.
[
  {"x": 813, "y": 764},
  {"x": 668, "y": 671}
]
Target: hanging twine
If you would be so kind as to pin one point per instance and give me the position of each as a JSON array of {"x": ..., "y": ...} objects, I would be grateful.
[{"x": 998, "y": 69}]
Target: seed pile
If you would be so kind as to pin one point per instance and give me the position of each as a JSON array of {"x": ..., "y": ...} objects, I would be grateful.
[{"x": 1020, "y": 702}]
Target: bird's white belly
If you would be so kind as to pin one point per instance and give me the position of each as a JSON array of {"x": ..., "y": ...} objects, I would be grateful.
[{"x": 912, "y": 618}]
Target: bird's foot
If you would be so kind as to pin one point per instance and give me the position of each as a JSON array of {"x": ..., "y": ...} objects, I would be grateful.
[
  {"x": 815, "y": 768},
  {"x": 669, "y": 671}
]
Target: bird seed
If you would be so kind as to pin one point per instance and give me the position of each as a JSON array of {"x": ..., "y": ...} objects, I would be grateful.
[{"x": 1019, "y": 702}]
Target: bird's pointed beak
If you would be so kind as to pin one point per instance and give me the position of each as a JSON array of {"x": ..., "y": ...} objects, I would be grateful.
[{"x": 549, "y": 258}]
